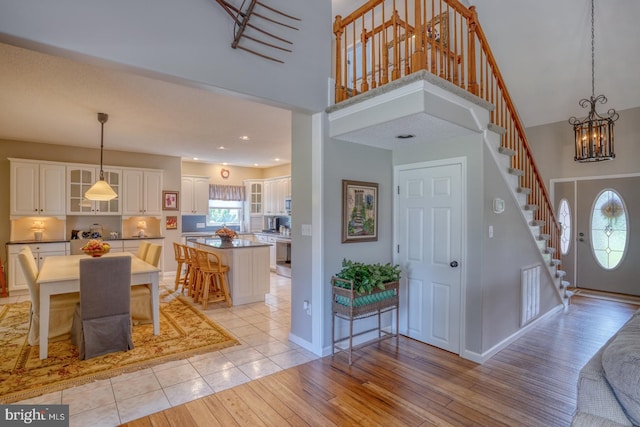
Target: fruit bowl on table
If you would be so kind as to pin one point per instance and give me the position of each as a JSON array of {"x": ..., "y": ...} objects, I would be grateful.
[{"x": 96, "y": 248}]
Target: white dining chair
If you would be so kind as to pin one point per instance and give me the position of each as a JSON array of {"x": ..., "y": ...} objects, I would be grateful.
[
  {"x": 61, "y": 306},
  {"x": 141, "y": 307}
]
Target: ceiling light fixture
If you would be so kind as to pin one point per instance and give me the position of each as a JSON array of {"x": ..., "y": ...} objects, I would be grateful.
[
  {"x": 244, "y": 138},
  {"x": 101, "y": 190},
  {"x": 594, "y": 133}
]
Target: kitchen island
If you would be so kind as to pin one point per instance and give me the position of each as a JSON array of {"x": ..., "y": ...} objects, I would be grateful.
[{"x": 248, "y": 266}]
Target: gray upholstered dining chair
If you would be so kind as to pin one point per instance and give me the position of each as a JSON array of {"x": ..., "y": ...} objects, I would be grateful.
[
  {"x": 61, "y": 307},
  {"x": 102, "y": 320},
  {"x": 141, "y": 308}
]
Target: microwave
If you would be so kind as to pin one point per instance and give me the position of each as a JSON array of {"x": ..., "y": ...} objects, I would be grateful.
[{"x": 287, "y": 205}]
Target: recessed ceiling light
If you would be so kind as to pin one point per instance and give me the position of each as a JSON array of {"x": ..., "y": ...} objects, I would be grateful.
[
  {"x": 195, "y": 158},
  {"x": 222, "y": 147},
  {"x": 225, "y": 163},
  {"x": 405, "y": 136},
  {"x": 244, "y": 138},
  {"x": 255, "y": 164},
  {"x": 277, "y": 159}
]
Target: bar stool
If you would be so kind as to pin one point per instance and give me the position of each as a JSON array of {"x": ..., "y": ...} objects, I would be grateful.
[
  {"x": 181, "y": 259},
  {"x": 192, "y": 275},
  {"x": 213, "y": 280}
]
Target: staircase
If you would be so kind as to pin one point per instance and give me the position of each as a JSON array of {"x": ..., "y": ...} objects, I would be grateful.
[
  {"x": 445, "y": 38},
  {"x": 503, "y": 157}
]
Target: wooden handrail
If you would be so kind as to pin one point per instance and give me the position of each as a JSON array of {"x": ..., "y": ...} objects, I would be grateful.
[{"x": 446, "y": 39}]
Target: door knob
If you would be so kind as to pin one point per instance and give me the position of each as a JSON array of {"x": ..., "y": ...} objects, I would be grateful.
[{"x": 454, "y": 264}]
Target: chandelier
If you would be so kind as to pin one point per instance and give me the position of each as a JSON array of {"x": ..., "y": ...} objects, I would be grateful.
[
  {"x": 594, "y": 133},
  {"x": 101, "y": 190}
]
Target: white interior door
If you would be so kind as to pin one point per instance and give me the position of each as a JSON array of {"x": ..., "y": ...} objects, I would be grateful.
[{"x": 429, "y": 218}]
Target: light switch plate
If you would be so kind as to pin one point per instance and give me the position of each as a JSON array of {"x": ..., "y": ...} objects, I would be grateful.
[
  {"x": 306, "y": 229},
  {"x": 200, "y": 225}
]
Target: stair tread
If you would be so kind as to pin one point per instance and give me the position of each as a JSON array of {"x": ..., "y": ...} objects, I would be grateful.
[
  {"x": 517, "y": 172},
  {"x": 523, "y": 190},
  {"x": 529, "y": 207},
  {"x": 506, "y": 151}
]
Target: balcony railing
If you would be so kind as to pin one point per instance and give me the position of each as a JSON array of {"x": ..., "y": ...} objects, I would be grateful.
[{"x": 383, "y": 41}]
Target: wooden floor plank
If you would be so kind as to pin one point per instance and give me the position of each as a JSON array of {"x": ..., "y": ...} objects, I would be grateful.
[{"x": 532, "y": 382}]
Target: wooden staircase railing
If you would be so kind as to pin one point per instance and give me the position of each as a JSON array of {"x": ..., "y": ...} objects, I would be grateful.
[{"x": 384, "y": 41}]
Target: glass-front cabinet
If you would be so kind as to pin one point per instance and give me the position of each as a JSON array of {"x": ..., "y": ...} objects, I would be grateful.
[
  {"x": 80, "y": 179},
  {"x": 255, "y": 198}
]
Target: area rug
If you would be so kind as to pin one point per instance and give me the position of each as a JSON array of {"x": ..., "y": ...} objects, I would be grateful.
[{"x": 184, "y": 332}]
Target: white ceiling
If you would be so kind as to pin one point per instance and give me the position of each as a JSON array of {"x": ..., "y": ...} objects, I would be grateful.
[{"x": 543, "y": 49}]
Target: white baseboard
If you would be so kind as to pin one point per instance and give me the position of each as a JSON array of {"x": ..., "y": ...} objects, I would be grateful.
[{"x": 481, "y": 358}]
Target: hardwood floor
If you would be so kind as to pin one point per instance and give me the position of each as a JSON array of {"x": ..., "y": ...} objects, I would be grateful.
[{"x": 530, "y": 383}]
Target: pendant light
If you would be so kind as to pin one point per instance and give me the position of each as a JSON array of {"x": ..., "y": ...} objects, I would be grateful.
[
  {"x": 594, "y": 133},
  {"x": 101, "y": 190}
]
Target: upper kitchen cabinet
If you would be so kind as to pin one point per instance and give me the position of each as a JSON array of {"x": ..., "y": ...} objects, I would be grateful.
[
  {"x": 276, "y": 191},
  {"x": 141, "y": 192},
  {"x": 80, "y": 178},
  {"x": 254, "y": 195},
  {"x": 37, "y": 188},
  {"x": 195, "y": 195}
]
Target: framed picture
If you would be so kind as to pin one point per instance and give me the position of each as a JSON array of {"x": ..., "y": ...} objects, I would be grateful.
[
  {"x": 359, "y": 211},
  {"x": 170, "y": 201},
  {"x": 172, "y": 222}
]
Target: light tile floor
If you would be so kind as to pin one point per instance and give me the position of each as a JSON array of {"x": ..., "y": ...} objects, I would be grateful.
[{"x": 261, "y": 328}]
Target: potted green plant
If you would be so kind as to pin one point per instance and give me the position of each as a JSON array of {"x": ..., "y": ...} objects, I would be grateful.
[
  {"x": 361, "y": 290},
  {"x": 367, "y": 277},
  {"x": 366, "y": 287}
]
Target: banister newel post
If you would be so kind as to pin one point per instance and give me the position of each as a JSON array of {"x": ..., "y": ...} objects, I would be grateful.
[{"x": 472, "y": 22}]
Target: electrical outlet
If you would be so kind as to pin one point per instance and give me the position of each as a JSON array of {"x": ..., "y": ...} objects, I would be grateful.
[
  {"x": 200, "y": 225},
  {"x": 307, "y": 307}
]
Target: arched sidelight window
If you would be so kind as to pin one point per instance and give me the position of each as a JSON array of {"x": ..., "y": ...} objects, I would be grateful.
[
  {"x": 564, "y": 217},
  {"x": 609, "y": 229}
]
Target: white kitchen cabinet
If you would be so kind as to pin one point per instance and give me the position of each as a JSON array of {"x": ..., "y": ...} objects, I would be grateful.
[
  {"x": 255, "y": 200},
  {"x": 275, "y": 192},
  {"x": 16, "y": 279},
  {"x": 142, "y": 193},
  {"x": 195, "y": 195},
  {"x": 272, "y": 249},
  {"x": 36, "y": 188},
  {"x": 80, "y": 178}
]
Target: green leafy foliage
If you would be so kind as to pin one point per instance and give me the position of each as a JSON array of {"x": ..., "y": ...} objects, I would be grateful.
[{"x": 367, "y": 277}]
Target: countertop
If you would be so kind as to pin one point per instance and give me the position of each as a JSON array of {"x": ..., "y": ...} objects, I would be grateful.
[
  {"x": 217, "y": 243},
  {"x": 29, "y": 242},
  {"x": 275, "y": 234}
]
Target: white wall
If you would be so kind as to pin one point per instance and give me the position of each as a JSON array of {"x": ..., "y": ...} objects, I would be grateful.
[
  {"x": 188, "y": 42},
  {"x": 553, "y": 150}
]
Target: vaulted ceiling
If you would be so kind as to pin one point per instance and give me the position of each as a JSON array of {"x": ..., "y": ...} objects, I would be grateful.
[{"x": 543, "y": 49}]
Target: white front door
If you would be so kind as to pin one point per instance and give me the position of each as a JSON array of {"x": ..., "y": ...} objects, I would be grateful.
[{"x": 429, "y": 239}]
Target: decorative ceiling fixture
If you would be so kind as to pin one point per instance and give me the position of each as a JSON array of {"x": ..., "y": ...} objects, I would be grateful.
[
  {"x": 241, "y": 20},
  {"x": 101, "y": 190},
  {"x": 594, "y": 133}
]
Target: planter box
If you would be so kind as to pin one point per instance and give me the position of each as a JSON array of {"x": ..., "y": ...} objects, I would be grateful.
[{"x": 348, "y": 305}]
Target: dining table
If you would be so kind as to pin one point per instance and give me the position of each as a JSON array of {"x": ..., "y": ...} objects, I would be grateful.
[{"x": 61, "y": 274}]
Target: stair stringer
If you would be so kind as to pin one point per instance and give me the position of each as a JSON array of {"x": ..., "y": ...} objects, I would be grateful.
[{"x": 492, "y": 137}]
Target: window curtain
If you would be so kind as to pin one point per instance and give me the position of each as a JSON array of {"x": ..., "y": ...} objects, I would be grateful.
[{"x": 226, "y": 192}]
